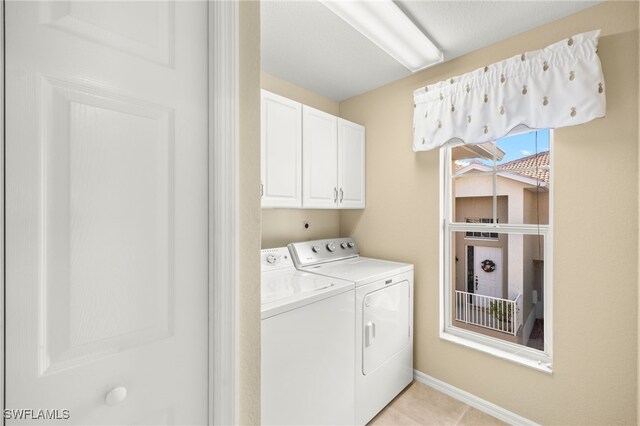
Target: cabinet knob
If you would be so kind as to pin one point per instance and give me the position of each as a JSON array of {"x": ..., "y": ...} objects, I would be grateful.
[{"x": 115, "y": 396}]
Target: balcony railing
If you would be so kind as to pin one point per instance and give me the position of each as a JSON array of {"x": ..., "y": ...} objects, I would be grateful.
[{"x": 489, "y": 312}]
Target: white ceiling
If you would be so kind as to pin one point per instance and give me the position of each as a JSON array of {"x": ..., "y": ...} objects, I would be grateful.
[{"x": 304, "y": 43}]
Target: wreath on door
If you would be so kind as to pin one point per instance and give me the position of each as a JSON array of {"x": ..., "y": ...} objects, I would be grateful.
[{"x": 488, "y": 265}]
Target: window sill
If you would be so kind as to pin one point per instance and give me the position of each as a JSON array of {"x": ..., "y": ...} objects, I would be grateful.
[{"x": 518, "y": 354}]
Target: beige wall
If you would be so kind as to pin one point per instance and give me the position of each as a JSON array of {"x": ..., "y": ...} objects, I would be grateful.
[
  {"x": 288, "y": 90},
  {"x": 536, "y": 207},
  {"x": 249, "y": 200},
  {"x": 283, "y": 226},
  {"x": 596, "y": 184}
]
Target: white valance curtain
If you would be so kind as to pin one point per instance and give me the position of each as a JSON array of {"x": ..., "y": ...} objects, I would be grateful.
[{"x": 560, "y": 85}]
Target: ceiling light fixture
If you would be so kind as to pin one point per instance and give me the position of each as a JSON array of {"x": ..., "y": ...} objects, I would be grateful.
[{"x": 389, "y": 28}]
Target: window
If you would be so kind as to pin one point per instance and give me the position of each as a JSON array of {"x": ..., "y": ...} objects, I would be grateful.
[
  {"x": 476, "y": 234},
  {"x": 496, "y": 247}
]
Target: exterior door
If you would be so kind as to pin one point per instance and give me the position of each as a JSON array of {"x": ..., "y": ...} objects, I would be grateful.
[
  {"x": 488, "y": 283},
  {"x": 106, "y": 210}
]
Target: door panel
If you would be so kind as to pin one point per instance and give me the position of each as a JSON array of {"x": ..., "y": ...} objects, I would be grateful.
[
  {"x": 281, "y": 144},
  {"x": 142, "y": 30},
  {"x": 385, "y": 324},
  {"x": 488, "y": 283},
  {"x": 351, "y": 164},
  {"x": 320, "y": 159},
  {"x": 101, "y": 204},
  {"x": 106, "y": 210}
]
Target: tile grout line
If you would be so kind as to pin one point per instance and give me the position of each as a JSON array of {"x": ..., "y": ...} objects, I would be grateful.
[{"x": 462, "y": 415}]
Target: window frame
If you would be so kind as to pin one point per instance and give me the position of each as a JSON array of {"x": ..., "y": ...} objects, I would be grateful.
[{"x": 514, "y": 352}]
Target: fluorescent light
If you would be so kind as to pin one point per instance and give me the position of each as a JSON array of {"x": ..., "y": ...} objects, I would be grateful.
[{"x": 382, "y": 22}]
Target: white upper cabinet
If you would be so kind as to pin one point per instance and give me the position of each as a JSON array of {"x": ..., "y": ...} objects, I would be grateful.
[
  {"x": 319, "y": 159},
  {"x": 310, "y": 159},
  {"x": 281, "y": 145},
  {"x": 351, "y": 189}
]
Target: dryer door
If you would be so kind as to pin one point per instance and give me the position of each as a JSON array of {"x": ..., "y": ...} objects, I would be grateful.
[{"x": 385, "y": 324}]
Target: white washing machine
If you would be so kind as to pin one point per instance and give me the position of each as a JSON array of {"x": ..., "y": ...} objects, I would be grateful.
[
  {"x": 308, "y": 357},
  {"x": 383, "y": 313}
]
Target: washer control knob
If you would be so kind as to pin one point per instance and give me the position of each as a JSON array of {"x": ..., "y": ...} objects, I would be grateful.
[
  {"x": 350, "y": 244},
  {"x": 343, "y": 245},
  {"x": 116, "y": 395},
  {"x": 271, "y": 259},
  {"x": 331, "y": 247},
  {"x": 315, "y": 249}
]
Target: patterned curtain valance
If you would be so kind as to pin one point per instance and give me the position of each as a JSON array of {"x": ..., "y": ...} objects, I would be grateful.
[{"x": 560, "y": 85}]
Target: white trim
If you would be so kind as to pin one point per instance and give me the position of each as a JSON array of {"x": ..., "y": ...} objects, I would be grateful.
[
  {"x": 513, "y": 352},
  {"x": 473, "y": 166},
  {"x": 2, "y": 222},
  {"x": 472, "y": 400},
  {"x": 480, "y": 150},
  {"x": 444, "y": 297},
  {"x": 548, "y": 258},
  {"x": 223, "y": 213},
  {"x": 499, "y": 228}
]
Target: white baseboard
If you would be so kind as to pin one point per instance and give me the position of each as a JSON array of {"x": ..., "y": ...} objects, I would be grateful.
[{"x": 472, "y": 400}]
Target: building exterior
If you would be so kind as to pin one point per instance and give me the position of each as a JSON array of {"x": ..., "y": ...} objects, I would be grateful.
[{"x": 501, "y": 266}]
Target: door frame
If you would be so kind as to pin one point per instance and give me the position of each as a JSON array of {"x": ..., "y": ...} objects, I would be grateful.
[
  {"x": 2, "y": 228},
  {"x": 223, "y": 212},
  {"x": 223, "y": 170}
]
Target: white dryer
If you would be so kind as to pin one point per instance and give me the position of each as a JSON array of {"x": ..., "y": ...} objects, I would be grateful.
[
  {"x": 308, "y": 357},
  {"x": 383, "y": 314}
]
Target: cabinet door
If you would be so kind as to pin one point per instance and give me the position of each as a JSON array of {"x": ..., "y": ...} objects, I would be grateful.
[
  {"x": 320, "y": 159},
  {"x": 281, "y": 144},
  {"x": 351, "y": 178}
]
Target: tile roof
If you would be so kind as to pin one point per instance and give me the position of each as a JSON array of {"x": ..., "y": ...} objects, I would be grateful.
[{"x": 531, "y": 161}]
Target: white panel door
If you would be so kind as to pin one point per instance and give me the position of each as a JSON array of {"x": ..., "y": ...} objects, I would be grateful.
[
  {"x": 320, "y": 159},
  {"x": 351, "y": 177},
  {"x": 281, "y": 145},
  {"x": 488, "y": 283},
  {"x": 106, "y": 210}
]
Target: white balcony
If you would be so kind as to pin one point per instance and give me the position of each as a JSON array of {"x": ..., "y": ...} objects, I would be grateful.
[{"x": 488, "y": 312}]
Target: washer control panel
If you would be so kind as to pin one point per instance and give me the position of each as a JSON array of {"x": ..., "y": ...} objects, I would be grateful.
[
  {"x": 275, "y": 258},
  {"x": 308, "y": 253}
]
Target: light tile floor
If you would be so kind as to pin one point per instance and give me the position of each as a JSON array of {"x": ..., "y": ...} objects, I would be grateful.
[{"x": 419, "y": 404}]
